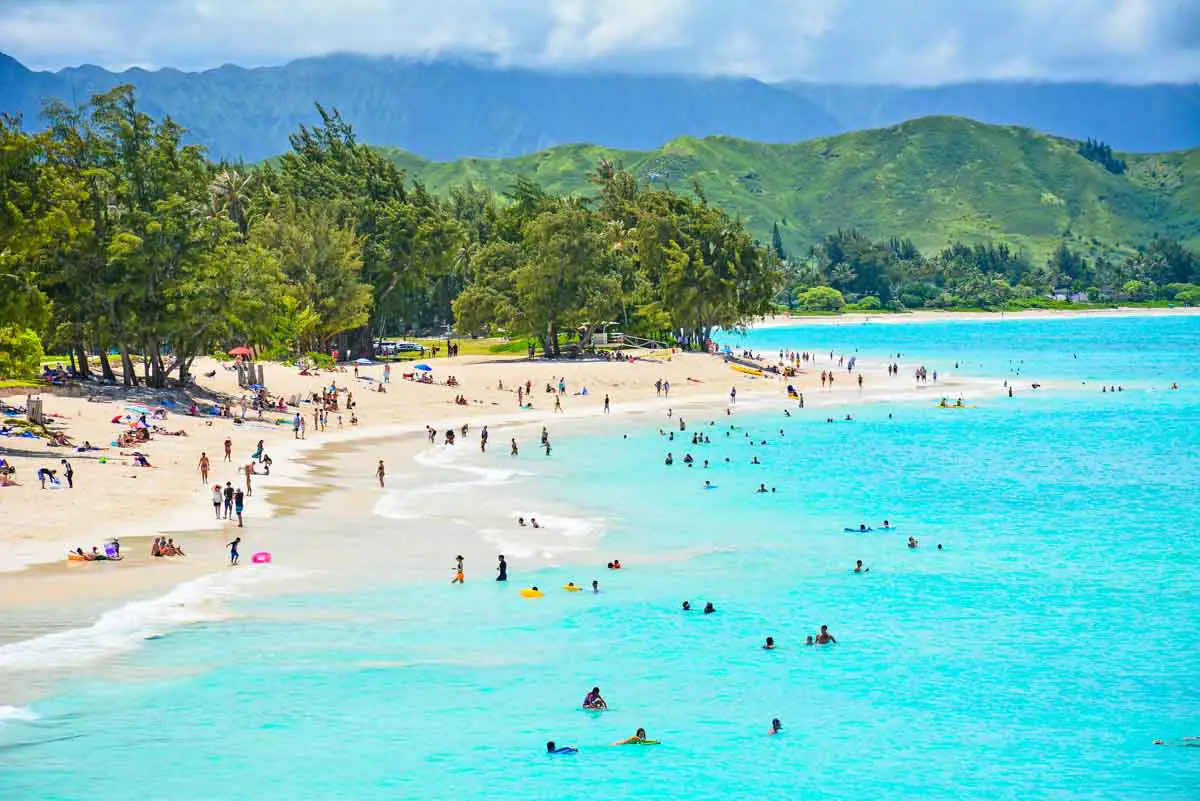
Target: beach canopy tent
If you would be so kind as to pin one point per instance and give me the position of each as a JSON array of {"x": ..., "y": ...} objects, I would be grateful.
[
  {"x": 363, "y": 361},
  {"x": 424, "y": 368},
  {"x": 240, "y": 350}
]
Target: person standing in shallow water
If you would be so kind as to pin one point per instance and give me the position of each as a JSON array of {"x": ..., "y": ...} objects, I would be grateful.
[
  {"x": 233, "y": 550},
  {"x": 379, "y": 472},
  {"x": 502, "y": 570}
]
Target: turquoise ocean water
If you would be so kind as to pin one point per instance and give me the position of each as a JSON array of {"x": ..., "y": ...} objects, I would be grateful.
[{"x": 1037, "y": 655}]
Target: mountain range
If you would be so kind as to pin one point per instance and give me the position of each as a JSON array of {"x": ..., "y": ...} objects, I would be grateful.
[
  {"x": 934, "y": 180},
  {"x": 446, "y": 110}
]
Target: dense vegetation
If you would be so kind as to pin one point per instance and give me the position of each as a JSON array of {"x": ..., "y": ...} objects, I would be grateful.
[
  {"x": 894, "y": 274},
  {"x": 934, "y": 181},
  {"x": 118, "y": 238}
]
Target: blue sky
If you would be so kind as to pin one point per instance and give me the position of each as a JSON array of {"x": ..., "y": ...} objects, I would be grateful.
[{"x": 853, "y": 41}]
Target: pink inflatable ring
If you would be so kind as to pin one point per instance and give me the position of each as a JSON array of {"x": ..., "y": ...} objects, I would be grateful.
[{"x": 261, "y": 558}]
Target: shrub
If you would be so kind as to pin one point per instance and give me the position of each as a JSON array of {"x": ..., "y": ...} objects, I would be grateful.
[{"x": 821, "y": 298}]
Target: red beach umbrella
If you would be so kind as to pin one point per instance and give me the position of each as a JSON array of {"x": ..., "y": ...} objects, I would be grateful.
[{"x": 240, "y": 350}]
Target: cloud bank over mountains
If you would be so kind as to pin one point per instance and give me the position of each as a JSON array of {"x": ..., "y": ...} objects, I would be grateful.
[{"x": 912, "y": 42}]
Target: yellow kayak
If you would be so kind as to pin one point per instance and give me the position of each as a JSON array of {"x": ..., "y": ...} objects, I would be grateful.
[{"x": 748, "y": 370}]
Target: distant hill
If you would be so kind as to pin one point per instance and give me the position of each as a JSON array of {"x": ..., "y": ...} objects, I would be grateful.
[
  {"x": 1144, "y": 119},
  {"x": 446, "y": 110},
  {"x": 934, "y": 180}
]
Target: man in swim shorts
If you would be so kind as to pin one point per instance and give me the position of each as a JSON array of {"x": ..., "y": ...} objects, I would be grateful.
[
  {"x": 824, "y": 637},
  {"x": 233, "y": 551},
  {"x": 502, "y": 570},
  {"x": 458, "y": 571},
  {"x": 551, "y": 748}
]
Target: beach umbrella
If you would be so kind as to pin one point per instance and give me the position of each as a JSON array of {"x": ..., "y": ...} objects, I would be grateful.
[
  {"x": 240, "y": 350},
  {"x": 424, "y": 368}
]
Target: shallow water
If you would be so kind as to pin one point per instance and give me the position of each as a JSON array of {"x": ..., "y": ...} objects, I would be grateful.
[{"x": 1037, "y": 655}]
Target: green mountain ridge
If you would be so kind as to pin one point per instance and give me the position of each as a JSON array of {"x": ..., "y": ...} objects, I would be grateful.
[{"x": 934, "y": 180}]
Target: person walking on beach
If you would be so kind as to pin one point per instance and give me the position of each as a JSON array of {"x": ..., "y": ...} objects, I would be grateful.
[
  {"x": 558, "y": 403},
  {"x": 459, "y": 578},
  {"x": 514, "y": 446},
  {"x": 502, "y": 570},
  {"x": 233, "y": 550},
  {"x": 228, "y": 494},
  {"x": 216, "y": 499},
  {"x": 249, "y": 471},
  {"x": 69, "y": 473},
  {"x": 228, "y": 449},
  {"x": 239, "y": 503},
  {"x": 379, "y": 472},
  {"x": 606, "y": 404},
  {"x": 733, "y": 394},
  {"x": 204, "y": 468},
  {"x": 483, "y": 435}
]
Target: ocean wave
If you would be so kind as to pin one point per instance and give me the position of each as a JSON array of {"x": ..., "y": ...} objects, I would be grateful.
[
  {"x": 22, "y": 713},
  {"x": 125, "y": 628},
  {"x": 411, "y": 504},
  {"x": 555, "y": 535}
]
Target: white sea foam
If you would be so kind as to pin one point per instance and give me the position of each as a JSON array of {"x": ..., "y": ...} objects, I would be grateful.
[
  {"x": 555, "y": 535},
  {"x": 8, "y": 713},
  {"x": 411, "y": 504},
  {"x": 124, "y": 628}
]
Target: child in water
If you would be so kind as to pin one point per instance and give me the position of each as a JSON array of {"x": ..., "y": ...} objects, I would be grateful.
[{"x": 776, "y": 726}]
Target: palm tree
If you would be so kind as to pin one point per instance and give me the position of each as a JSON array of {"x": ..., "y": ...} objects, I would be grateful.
[
  {"x": 230, "y": 194},
  {"x": 842, "y": 275}
]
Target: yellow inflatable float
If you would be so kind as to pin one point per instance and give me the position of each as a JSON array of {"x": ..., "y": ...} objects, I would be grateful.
[
  {"x": 570, "y": 587},
  {"x": 531, "y": 592},
  {"x": 748, "y": 370}
]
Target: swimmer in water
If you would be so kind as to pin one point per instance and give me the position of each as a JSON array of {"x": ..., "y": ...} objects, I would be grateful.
[
  {"x": 593, "y": 700},
  {"x": 709, "y": 608},
  {"x": 769, "y": 645},
  {"x": 862, "y": 526},
  {"x": 637, "y": 739},
  {"x": 858, "y": 567},
  {"x": 776, "y": 726},
  {"x": 551, "y": 748},
  {"x": 687, "y": 606},
  {"x": 887, "y": 524},
  {"x": 824, "y": 637},
  {"x": 1182, "y": 742},
  {"x": 761, "y": 488},
  {"x": 595, "y": 586},
  {"x": 808, "y": 640},
  {"x": 912, "y": 542}
]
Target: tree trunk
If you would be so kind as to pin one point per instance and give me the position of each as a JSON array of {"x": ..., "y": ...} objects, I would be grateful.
[
  {"x": 82, "y": 362},
  {"x": 106, "y": 368},
  {"x": 130, "y": 377},
  {"x": 154, "y": 366}
]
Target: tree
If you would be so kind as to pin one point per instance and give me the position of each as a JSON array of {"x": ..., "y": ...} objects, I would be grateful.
[
  {"x": 322, "y": 262},
  {"x": 230, "y": 191},
  {"x": 821, "y": 298}
]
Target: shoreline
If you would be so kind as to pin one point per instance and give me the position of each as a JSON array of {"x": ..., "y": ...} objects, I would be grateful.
[
  {"x": 933, "y": 316},
  {"x": 93, "y": 590}
]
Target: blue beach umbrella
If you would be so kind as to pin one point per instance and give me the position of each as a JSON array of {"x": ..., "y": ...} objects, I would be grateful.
[{"x": 425, "y": 368}]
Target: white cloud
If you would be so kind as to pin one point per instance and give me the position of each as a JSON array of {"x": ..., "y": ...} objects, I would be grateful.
[{"x": 881, "y": 41}]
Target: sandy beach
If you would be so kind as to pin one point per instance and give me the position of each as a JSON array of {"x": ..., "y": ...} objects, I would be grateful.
[{"x": 113, "y": 498}]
